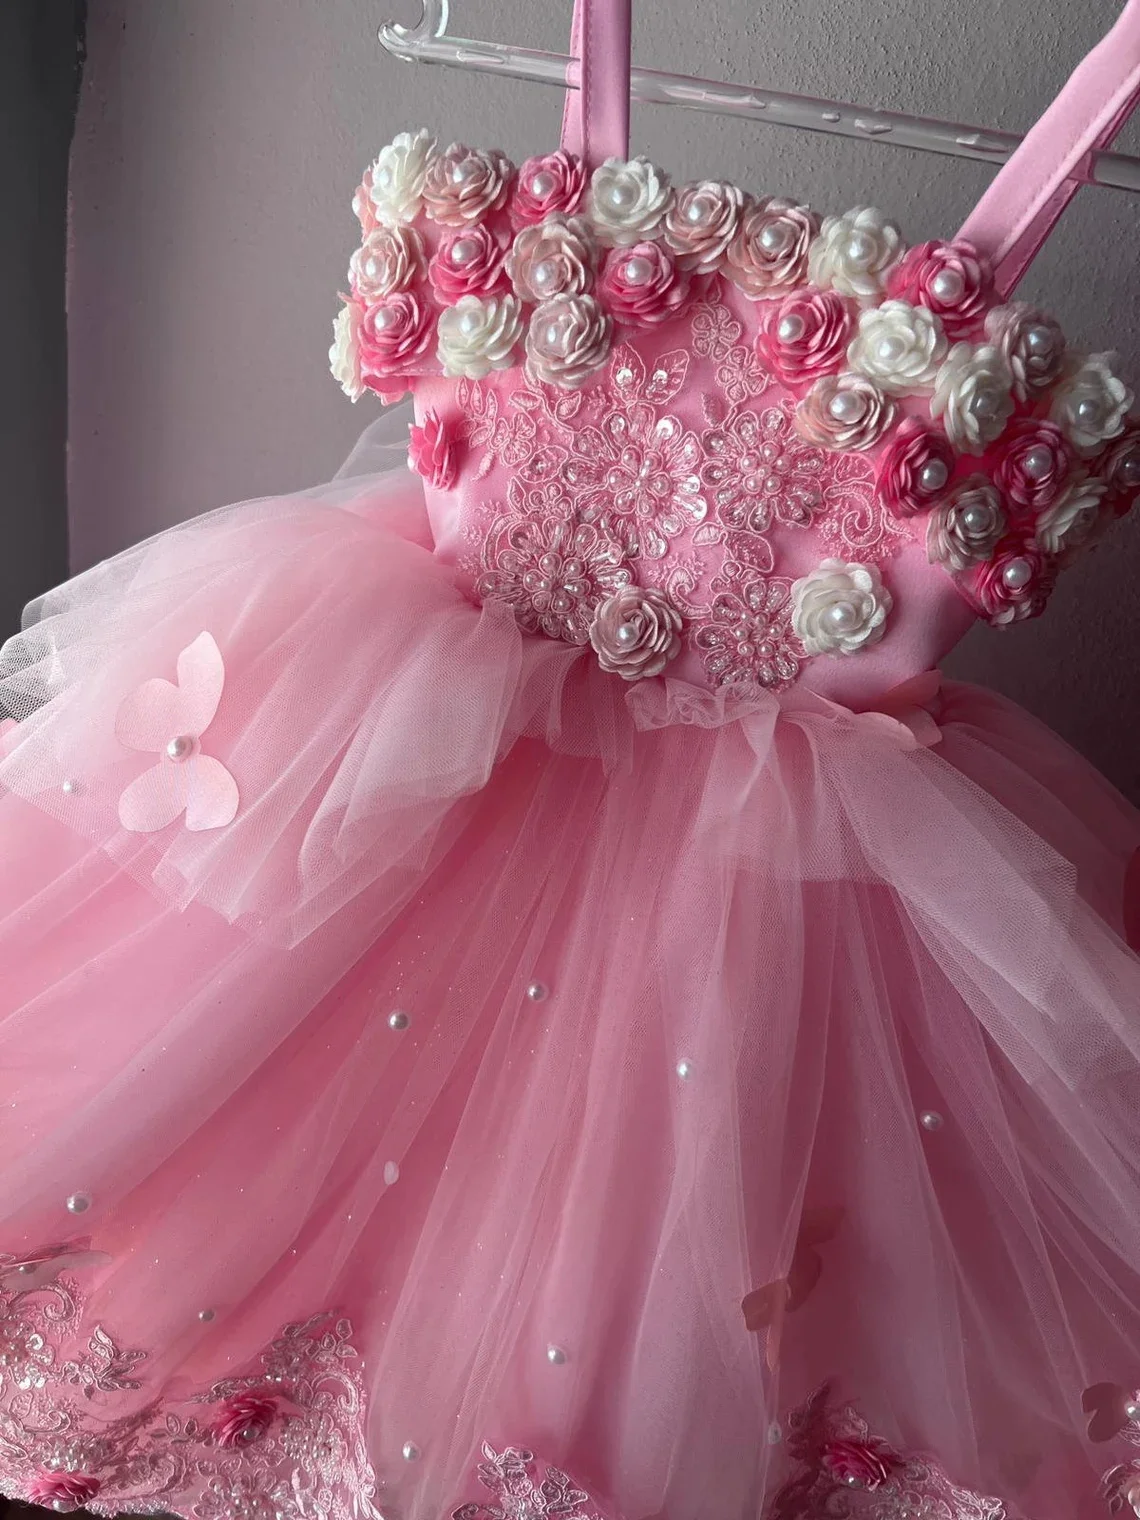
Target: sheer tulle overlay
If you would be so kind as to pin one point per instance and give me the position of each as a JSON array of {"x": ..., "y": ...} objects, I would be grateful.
[{"x": 588, "y": 1069}]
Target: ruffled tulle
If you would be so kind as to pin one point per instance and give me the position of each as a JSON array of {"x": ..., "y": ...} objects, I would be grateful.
[{"x": 612, "y": 1066}]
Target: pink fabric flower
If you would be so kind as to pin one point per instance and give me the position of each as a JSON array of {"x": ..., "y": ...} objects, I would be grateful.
[
  {"x": 844, "y": 412},
  {"x": 914, "y": 468},
  {"x": 1034, "y": 464},
  {"x": 468, "y": 263},
  {"x": 805, "y": 336},
  {"x": 464, "y": 184},
  {"x": 642, "y": 285},
  {"x": 1119, "y": 466},
  {"x": 62, "y": 1490},
  {"x": 768, "y": 254},
  {"x": 244, "y": 1418},
  {"x": 1011, "y": 587},
  {"x": 636, "y": 632},
  {"x": 950, "y": 279},
  {"x": 554, "y": 258},
  {"x": 432, "y": 452},
  {"x": 859, "y": 1464},
  {"x": 547, "y": 183},
  {"x": 394, "y": 333},
  {"x": 1031, "y": 343},
  {"x": 701, "y": 222},
  {"x": 389, "y": 259},
  {"x": 169, "y": 720}
]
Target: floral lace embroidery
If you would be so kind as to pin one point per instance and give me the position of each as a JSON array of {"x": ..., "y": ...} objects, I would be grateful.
[
  {"x": 845, "y": 1473},
  {"x": 284, "y": 1443},
  {"x": 512, "y": 1476}
]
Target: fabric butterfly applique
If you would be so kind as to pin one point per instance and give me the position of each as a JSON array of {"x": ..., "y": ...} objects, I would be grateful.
[
  {"x": 168, "y": 720},
  {"x": 764, "y": 1308}
]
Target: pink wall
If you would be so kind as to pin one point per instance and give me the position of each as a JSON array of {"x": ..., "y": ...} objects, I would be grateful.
[{"x": 218, "y": 145}]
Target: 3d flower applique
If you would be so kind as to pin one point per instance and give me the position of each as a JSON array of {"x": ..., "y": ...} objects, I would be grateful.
[
  {"x": 636, "y": 632},
  {"x": 169, "y": 720},
  {"x": 432, "y": 452},
  {"x": 244, "y": 1419},
  {"x": 840, "y": 608}
]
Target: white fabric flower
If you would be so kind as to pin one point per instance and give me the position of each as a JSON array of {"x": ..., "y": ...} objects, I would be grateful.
[
  {"x": 1072, "y": 518},
  {"x": 628, "y": 199},
  {"x": 899, "y": 346},
  {"x": 568, "y": 341},
  {"x": 554, "y": 258},
  {"x": 1091, "y": 403},
  {"x": 397, "y": 177},
  {"x": 855, "y": 253},
  {"x": 478, "y": 334},
  {"x": 344, "y": 355},
  {"x": 840, "y": 608},
  {"x": 973, "y": 396}
]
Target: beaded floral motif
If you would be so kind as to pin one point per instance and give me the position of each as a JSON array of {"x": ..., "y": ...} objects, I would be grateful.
[
  {"x": 524, "y": 1488},
  {"x": 843, "y": 1471},
  {"x": 282, "y": 1443}
]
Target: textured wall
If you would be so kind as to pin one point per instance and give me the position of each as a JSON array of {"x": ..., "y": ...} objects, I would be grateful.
[{"x": 220, "y": 140}]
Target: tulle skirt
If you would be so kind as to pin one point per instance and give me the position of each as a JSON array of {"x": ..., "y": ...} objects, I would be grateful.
[{"x": 676, "y": 1104}]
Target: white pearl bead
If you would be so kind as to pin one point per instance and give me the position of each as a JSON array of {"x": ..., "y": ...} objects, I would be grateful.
[
  {"x": 978, "y": 519},
  {"x": 846, "y": 406},
  {"x": 470, "y": 322},
  {"x": 410, "y": 1451},
  {"x": 553, "y": 335},
  {"x": 791, "y": 328},
  {"x": 1039, "y": 340},
  {"x": 842, "y": 616},
  {"x": 1088, "y": 410},
  {"x": 1018, "y": 573},
  {"x": 626, "y": 633},
  {"x": 538, "y": 992},
  {"x": 930, "y": 1120},
  {"x": 463, "y": 251},
  {"x": 983, "y": 403},
  {"x": 684, "y": 1070},
  {"x": 1128, "y": 469},
  {"x": 79, "y": 1203},
  {"x": 180, "y": 748},
  {"x": 398, "y": 1020},
  {"x": 622, "y": 195},
  {"x": 556, "y": 1356},
  {"x": 775, "y": 237},
  {"x": 1132, "y": 1409},
  {"x": 697, "y": 210},
  {"x": 934, "y": 475},
  {"x": 70, "y": 788},
  {"x": 384, "y": 179},
  {"x": 542, "y": 184},
  {"x": 1037, "y": 463},
  {"x": 948, "y": 285},
  {"x": 860, "y": 248},
  {"x": 464, "y": 170},
  {"x": 207, "y": 1316},
  {"x": 891, "y": 349},
  {"x": 391, "y": 1173},
  {"x": 637, "y": 271},
  {"x": 384, "y": 318},
  {"x": 544, "y": 274}
]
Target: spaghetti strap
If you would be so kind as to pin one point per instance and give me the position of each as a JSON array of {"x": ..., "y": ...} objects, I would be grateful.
[
  {"x": 595, "y": 121},
  {"x": 1023, "y": 204}
]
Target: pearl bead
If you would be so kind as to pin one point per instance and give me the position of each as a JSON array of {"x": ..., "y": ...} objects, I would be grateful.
[
  {"x": 391, "y": 1173},
  {"x": 851, "y": 1481},
  {"x": 79, "y": 1203},
  {"x": 1018, "y": 573},
  {"x": 70, "y": 788},
  {"x": 697, "y": 210},
  {"x": 464, "y": 170},
  {"x": 469, "y": 322},
  {"x": 930, "y": 1120},
  {"x": 464, "y": 251},
  {"x": 978, "y": 519},
  {"x": 1132, "y": 1409},
  {"x": 846, "y": 406},
  {"x": 398, "y": 1020},
  {"x": 384, "y": 179},
  {"x": 538, "y": 992},
  {"x": 542, "y": 184},
  {"x": 1128, "y": 469},
  {"x": 842, "y": 616},
  {"x": 26, "y": 1268},
  {"x": 1037, "y": 463},
  {"x": 622, "y": 195},
  {"x": 556, "y": 1356},
  {"x": 410, "y": 1451},
  {"x": 384, "y": 318},
  {"x": 626, "y": 633},
  {"x": 544, "y": 274},
  {"x": 860, "y": 248},
  {"x": 637, "y": 271},
  {"x": 934, "y": 475},
  {"x": 775, "y": 237},
  {"x": 207, "y": 1316},
  {"x": 684, "y": 1070},
  {"x": 791, "y": 328},
  {"x": 948, "y": 285},
  {"x": 1088, "y": 410},
  {"x": 1039, "y": 340},
  {"x": 983, "y": 404},
  {"x": 891, "y": 350},
  {"x": 180, "y": 748},
  {"x": 553, "y": 335}
]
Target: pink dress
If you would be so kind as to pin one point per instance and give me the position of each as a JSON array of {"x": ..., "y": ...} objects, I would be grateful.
[{"x": 521, "y": 993}]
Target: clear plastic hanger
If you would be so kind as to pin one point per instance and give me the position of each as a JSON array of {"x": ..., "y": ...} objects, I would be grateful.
[{"x": 428, "y": 41}]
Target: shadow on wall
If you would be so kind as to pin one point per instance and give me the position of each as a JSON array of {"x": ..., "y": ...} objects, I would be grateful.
[{"x": 41, "y": 56}]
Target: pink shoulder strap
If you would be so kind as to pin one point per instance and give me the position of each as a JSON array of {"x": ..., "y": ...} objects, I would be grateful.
[
  {"x": 1028, "y": 195},
  {"x": 595, "y": 122}
]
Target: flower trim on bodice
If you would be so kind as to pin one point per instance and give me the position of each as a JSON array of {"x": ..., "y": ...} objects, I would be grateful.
[{"x": 980, "y": 433}]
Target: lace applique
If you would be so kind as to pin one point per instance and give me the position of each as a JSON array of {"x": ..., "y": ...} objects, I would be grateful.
[
  {"x": 525, "y": 1489},
  {"x": 846, "y": 1473},
  {"x": 746, "y": 635},
  {"x": 284, "y": 1443}
]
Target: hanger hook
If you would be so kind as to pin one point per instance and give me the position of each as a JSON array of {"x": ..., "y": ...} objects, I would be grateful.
[{"x": 400, "y": 39}]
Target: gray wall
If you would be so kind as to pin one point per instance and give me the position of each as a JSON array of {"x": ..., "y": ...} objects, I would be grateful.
[
  {"x": 220, "y": 141},
  {"x": 39, "y": 80}
]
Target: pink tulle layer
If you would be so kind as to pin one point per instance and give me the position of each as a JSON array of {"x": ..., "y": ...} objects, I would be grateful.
[{"x": 537, "y": 1060}]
